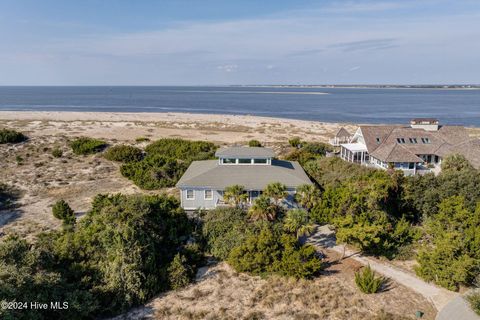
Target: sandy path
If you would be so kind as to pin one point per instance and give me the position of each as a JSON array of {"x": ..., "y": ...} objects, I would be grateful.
[{"x": 325, "y": 238}]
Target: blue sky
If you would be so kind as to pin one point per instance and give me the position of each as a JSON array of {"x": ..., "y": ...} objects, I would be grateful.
[{"x": 213, "y": 42}]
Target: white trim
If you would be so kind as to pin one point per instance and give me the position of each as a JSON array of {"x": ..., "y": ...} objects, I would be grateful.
[
  {"x": 186, "y": 194},
  {"x": 205, "y": 194}
]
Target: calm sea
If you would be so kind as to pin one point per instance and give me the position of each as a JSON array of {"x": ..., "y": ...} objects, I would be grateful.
[{"x": 335, "y": 105}]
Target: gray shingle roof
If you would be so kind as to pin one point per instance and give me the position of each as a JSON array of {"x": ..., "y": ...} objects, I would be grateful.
[
  {"x": 210, "y": 174},
  {"x": 388, "y": 137},
  {"x": 250, "y": 152},
  {"x": 342, "y": 133},
  {"x": 395, "y": 153},
  {"x": 469, "y": 149}
]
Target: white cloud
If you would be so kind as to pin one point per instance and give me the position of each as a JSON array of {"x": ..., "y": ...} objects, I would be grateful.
[{"x": 228, "y": 67}]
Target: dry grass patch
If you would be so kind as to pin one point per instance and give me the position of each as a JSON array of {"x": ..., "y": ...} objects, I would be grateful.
[{"x": 221, "y": 293}]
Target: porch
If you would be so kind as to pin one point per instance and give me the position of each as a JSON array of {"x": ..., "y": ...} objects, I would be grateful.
[{"x": 354, "y": 152}]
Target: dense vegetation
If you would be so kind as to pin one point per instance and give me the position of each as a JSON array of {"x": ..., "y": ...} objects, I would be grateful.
[
  {"x": 124, "y": 153},
  {"x": 11, "y": 136},
  {"x": 307, "y": 151},
  {"x": 85, "y": 146},
  {"x": 125, "y": 250},
  {"x": 263, "y": 240},
  {"x": 433, "y": 218},
  {"x": 474, "y": 301},
  {"x": 165, "y": 162}
]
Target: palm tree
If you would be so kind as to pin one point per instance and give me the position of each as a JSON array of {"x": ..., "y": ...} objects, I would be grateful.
[
  {"x": 307, "y": 196},
  {"x": 262, "y": 209},
  {"x": 297, "y": 221},
  {"x": 235, "y": 195},
  {"x": 276, "y": 191}
]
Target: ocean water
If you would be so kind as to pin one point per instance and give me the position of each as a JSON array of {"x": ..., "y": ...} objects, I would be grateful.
[{"x": 355, "y": 105}]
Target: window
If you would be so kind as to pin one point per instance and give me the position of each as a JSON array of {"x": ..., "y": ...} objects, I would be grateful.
[
  {"x": 426, "y": 140},
  {"x": 208, "y": 195},
  {"x": 261, "y": 161},
  {"x": 244, "y": 161},
  {"x": 379, "y": 140},
  {"x": 413, "y": 140},
  {"x": 190, "y": 195},
  {"x": 400, "y": 140},
  {"x": 228, "y": 160}
]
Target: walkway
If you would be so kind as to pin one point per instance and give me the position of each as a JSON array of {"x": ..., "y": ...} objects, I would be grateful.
[{"x": 325, "y": 238}]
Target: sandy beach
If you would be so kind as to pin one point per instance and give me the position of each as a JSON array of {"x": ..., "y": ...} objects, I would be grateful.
[{"x": 128, "y": 126}]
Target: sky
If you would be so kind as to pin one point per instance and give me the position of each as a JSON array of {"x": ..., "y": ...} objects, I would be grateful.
[{"x": 239, "y": 42}]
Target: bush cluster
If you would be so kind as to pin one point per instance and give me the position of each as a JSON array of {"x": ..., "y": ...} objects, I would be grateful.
[
  {"x": 11, "y": 136},
  {"x": 124, "y": 251},
  {"x": 385, "y": 213},
  {"x": 165, "y": 162},
  {"x": 85, "y": 146},
  {"x": 307, "y": 151},
  {"x": 259, "y": 246},
  {"x": 124, "y": 153}
]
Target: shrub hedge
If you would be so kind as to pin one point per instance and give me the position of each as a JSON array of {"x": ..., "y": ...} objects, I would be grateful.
[{"x": 85, "y": 146}]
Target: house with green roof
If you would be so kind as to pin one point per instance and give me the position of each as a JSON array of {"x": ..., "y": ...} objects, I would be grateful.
[{"x": 204, "y": 182}]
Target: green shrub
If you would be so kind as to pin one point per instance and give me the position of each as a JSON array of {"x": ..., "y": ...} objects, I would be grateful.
[
  {"x": 62, "y": 211},
  {"x": 124, "y": 153},
  {"x": 224, "y": 229},
  {"x": 451, "y": 257},
  {"x": 179, "y": 272},
  {"x": 165, "y": 162},
  {"x": 367, "y": 282},
  {"x": 182, "y": 149},
  {"x": 154, "y": 171},
  {"x": 11, "y": 136},
  {"x": 118, "y": 256},
  {"x": 474, "y": 300},
  {"x": 308, "y": 151},
  {"x": 295, "y": 142},
  {"x": 8, "y": 195},
  {"x": 57, "y": 152},
  {"x": 19, "y": 160},
  {"x": 254, "y": 143},
  {"x": 269, "y": 251},
  {"x": 85, "y": 146},
  {"x": 142, "y": 139}
]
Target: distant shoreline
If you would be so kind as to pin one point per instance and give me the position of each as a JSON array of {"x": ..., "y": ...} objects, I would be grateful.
[{"x": 431, "y": 87}]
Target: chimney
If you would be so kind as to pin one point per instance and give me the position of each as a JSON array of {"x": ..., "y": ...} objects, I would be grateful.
[{"x": 427, "y": 124}]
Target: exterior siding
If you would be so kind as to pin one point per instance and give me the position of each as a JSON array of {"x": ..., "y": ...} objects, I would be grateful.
[{"x": 199, "y": 202}]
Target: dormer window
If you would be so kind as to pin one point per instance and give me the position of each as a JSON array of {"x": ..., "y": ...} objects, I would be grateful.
[
  {"x": 379, "y": 140},
  {"x": 245, "y": 156},
  {"x": 229, "y": 160},
  {"x": 401, "y": 140},
  {"x": 413, "y": 140},
  {"x": 426, "y": 140}
]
